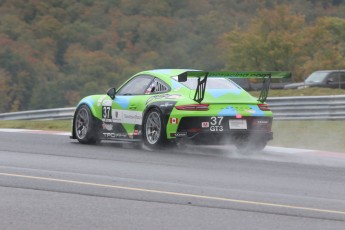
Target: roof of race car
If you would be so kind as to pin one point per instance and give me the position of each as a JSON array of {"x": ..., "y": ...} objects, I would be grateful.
[
  {"x": 165, "y": 73},
  {"x": 200, "y": 89}
]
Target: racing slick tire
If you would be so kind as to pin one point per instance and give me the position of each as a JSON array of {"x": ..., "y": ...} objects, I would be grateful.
[
  {"x": 154, "y": 129},
  {"x": 85, "y": 126}
]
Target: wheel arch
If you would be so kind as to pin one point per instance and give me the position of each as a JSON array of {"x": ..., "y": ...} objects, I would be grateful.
[
  {"x": 74, "y": 115},
  {"x": 163, "y": 134},
  {"x": 147, "y": 109},
  {"x": 164, "y": 110}
]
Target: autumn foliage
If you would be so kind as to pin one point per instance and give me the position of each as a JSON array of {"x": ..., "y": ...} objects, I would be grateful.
[{"x": 54, "y": 52}]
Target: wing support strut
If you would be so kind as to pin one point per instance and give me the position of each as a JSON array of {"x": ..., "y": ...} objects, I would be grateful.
[{"x": 200, "y": 89}]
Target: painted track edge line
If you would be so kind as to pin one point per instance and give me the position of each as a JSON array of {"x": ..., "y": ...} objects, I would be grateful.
[{"x": 249, "y": 202}]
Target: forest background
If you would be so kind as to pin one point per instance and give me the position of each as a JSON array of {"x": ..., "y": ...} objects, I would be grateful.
[{"x": 54, "y": 52}]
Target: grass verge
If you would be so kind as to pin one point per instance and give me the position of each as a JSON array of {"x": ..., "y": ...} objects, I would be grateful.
[
  {"x": 57, "y": 125},
  {"x": 319, "y": 135}
]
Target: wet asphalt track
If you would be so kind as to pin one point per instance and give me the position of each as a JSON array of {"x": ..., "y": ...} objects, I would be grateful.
[{"x": 51, "y": 182}]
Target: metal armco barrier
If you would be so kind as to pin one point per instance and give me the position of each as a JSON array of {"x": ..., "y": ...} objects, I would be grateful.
[
  {"x": 284, "y": 108},
  {"x": 308, "y": 108},
  {"x": 44, "y": 114}
]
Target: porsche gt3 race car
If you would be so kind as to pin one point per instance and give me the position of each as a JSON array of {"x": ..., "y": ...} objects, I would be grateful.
[{"x": 172, "y": 105}]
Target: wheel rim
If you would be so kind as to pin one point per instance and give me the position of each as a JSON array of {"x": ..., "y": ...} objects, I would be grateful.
[
  {"x": 82, "y": 123},
  {"x": 153, "y": 127}
]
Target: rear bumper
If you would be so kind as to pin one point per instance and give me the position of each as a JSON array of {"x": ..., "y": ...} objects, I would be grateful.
[
  {"x": 217, "y": 129},
  {"x": 224, "y": 137}
]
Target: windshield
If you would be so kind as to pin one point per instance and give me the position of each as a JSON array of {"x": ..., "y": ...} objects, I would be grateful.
[
  {"x": 316, "y": 77},
  {"x": 212, "y": 83}
]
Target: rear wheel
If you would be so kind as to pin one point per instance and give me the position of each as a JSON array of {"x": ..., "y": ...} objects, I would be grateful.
[
  {"x": 154, "y": 132},
  {"x": 85, "y": 126}
]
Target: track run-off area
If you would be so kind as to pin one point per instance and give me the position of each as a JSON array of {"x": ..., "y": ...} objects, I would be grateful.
[{"x": 48, "y": 181}]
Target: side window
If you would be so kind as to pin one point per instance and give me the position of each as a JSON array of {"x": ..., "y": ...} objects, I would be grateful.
[
  {"x": 136, "y": 86},
  {"x": 334, "y": 77},
  {"x": 342, "y": 77},
  {"x": 157, "y": 86}
]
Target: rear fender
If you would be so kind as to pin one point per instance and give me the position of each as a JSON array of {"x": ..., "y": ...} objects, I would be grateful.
[{"x": 164, "y": 106}]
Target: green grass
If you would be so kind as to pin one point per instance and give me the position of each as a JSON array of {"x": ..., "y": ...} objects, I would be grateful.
[
  {"x": 319, "y": 135},
  {"x": 57, "y": 125}
]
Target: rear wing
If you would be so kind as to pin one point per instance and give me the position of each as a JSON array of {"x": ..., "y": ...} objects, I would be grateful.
[{"x": 202, "y": 80}]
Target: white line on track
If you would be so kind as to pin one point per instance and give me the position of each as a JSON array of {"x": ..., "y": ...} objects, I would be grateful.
[{"x": 175, "y": 194}]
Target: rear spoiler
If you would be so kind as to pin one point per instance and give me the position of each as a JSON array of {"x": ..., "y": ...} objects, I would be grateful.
[{"x": 202, "y": 80}]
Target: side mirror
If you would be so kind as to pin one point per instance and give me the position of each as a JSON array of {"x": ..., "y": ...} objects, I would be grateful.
[{"x": 111, "y": 93}]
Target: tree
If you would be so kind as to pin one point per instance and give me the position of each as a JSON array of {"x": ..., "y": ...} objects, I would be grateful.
[
  {"x": 4, "y": 91},
  {"x": 279, "y": 39},
  {"x": 269, "y": 43},
  {"x": 324, "y": 45}
]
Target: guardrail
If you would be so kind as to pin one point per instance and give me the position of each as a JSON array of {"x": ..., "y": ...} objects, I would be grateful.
[
  {"x": 308, "y": 108},
  {"x": 284, "y": 108},
  {"x": 44, "y": 114}
]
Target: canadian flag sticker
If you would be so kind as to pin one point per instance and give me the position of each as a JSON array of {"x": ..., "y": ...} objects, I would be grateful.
[{"x": 173, "y": 120}]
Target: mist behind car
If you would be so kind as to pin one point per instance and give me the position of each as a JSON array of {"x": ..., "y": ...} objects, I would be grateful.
[{"x": 321, "y": 78}]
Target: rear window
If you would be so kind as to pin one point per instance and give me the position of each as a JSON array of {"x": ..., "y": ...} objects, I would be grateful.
[{"x": 212, "y": 83}]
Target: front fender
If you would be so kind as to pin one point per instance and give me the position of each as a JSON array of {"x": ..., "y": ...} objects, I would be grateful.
[{"x": 94, "y": 102}]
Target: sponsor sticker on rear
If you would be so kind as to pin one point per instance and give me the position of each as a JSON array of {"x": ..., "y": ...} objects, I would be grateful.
[{"x": 205, "y": 124}]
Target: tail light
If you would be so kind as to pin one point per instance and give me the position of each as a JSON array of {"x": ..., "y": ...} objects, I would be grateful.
[
  {"x": 193, "y": 107},
  {"x": 264, "y": 107}
]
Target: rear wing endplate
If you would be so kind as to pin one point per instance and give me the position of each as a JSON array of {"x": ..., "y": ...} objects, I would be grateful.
[{"x": 202, "y": 80}]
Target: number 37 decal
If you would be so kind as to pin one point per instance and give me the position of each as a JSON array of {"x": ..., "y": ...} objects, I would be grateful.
[
  {"x": 216, "y": 120},
  {"x": 106, "y": 112}
]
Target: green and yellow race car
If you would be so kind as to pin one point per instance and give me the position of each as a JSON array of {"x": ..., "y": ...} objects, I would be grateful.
[{"x": 164, "y": 106}]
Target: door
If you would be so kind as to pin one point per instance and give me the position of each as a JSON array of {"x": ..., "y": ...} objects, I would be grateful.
[{"x": 128, "y": 106}]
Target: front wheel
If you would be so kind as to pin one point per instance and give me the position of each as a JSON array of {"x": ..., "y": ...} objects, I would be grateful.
[
  {"x": 85, "y": 126},
  {"x": 154, "y": 132}
]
